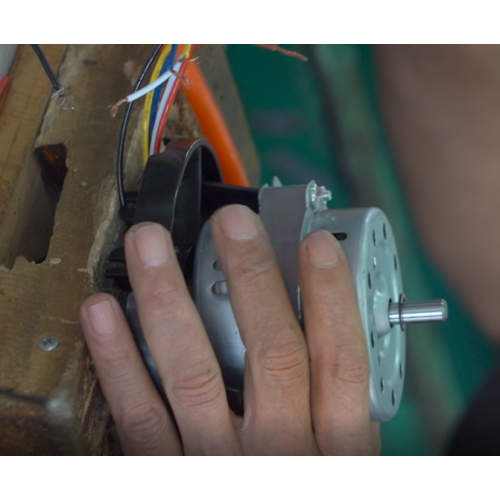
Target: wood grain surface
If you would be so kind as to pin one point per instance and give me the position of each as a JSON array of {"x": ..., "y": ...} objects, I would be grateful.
[{"x": 52, "y": 257}]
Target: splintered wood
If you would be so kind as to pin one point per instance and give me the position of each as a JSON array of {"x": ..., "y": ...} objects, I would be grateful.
[{"x": 58, "y": 222}]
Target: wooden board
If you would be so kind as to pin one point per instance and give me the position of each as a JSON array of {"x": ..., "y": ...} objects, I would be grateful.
[{"x": 52, "y": 257}]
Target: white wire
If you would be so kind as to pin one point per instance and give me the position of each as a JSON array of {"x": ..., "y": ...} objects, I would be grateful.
[
  {"x": 161, "y": 107},
  {"x": 148, "y": 88}
]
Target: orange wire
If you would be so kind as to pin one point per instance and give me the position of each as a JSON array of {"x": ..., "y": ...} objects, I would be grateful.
[{"x": 213, "y": 125}]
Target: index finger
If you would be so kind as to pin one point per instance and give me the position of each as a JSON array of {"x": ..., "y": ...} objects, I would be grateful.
[{"x": 178, "y": 343}]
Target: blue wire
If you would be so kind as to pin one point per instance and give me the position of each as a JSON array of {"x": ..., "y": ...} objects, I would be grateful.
[{"x": 169, "y": 63}]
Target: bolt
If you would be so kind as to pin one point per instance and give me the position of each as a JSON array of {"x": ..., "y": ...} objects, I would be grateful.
[
  {"x": 318, "y": 197},
  {"x": 48, "y": 344},
  {"x": 324, "y": 193}
]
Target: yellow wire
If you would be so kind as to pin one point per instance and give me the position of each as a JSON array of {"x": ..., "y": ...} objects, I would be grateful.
[
  {"x": 187, "y": 49},
  {"x": 148, "y": 104}
]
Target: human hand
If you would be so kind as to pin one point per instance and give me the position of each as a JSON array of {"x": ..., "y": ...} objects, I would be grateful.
[{"x": 303, "y": 394}]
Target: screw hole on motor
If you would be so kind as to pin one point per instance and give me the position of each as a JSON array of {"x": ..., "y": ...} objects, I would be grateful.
[
  {"x": 374, "y": 237},
  {"x": 372, "y": 339},
  {"x": 401, "y": 370},
  {"x": 393, "y": 398},
  {"x": 395, "y": 263},
  {"x": 219, "y": 288},
  {"x": 340, "y": 236},
  {"x": 385, "y": 232},
  {"x": 382, "y": 386},
  {"x": 369, "y": 281}
]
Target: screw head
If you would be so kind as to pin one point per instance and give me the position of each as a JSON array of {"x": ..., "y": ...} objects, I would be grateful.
[{"x": 48, "y": 344}]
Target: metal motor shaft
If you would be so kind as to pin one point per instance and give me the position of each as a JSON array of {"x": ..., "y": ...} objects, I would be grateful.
[{"x": 417, "y": 312}]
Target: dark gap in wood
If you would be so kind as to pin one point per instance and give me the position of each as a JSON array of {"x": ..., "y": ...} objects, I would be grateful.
[
  {"x": 35, "y": 223},
  {"x": 23, "y": 397},
  {"x": 52, "y": 163}
]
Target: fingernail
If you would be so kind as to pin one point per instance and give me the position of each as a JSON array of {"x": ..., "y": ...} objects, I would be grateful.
[
  {"x": 102, "y": 317},
  {"x": 238, "y": 223},
  {"x": 322, "y": 249},
  {"x": 151, "y": 245}
]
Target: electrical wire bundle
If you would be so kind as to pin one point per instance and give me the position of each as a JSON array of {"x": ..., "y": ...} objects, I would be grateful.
[
  {"x": 156, "y": 113},
  {"x": 172, "y": 64},
  {"x": 167, "y": 69}
]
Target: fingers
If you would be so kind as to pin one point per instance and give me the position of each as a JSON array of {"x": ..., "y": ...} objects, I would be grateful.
[
  {"x": 277, "y": 413},
  {"x": 142, "y": 421},
  {"x": 178, "y": 343},
  {"x": 281, "y": 388},
  {"x": 340, "y": 370}
]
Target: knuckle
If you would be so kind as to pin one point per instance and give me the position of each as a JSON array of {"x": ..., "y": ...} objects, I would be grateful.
[
  {"x": 198, "y": 387},
  {"x": 285, "y": 363},
  {"x": 143, "y": 425},
  {"x": 161, "y": 297},
  {"x": 117, "y": 366},
  {"x": 351, "y": 367},
  {"x": 254, "y": 274},
  {"x": 356, "y": 375}
]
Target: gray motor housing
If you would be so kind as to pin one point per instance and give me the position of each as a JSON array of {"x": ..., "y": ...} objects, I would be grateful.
[{"x": 290, "y": 213}]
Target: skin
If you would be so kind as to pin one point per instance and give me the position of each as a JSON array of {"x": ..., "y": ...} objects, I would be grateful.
[
  {"x": 441, "y": 105},
  {"x": 304, "y": 394}
]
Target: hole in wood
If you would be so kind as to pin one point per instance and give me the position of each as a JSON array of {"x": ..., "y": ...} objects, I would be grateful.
[
  {"x": 30, "y": 217},
  {"x": 52, "y": 163}
]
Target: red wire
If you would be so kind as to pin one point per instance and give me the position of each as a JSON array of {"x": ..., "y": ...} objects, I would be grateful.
[
  {"x": 168, "y": 105},
  {"x": 3, "y": 84}
]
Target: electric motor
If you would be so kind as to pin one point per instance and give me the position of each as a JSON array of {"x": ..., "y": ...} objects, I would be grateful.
[{"x": 182, "y": 187}]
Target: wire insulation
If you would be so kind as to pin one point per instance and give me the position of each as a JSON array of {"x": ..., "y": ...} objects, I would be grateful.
[
  {"x": 46, "y": 66},
  {"x": 148, "y": 88},
  {"x": 123, "y": 130},
  {"x": 166, "y": 50},
  {"x": 213, "y": 125},
  {"x": 168, "y": 105},
  {"x": 168, "y": 64},
  {"x": 157, "y": 130}
]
